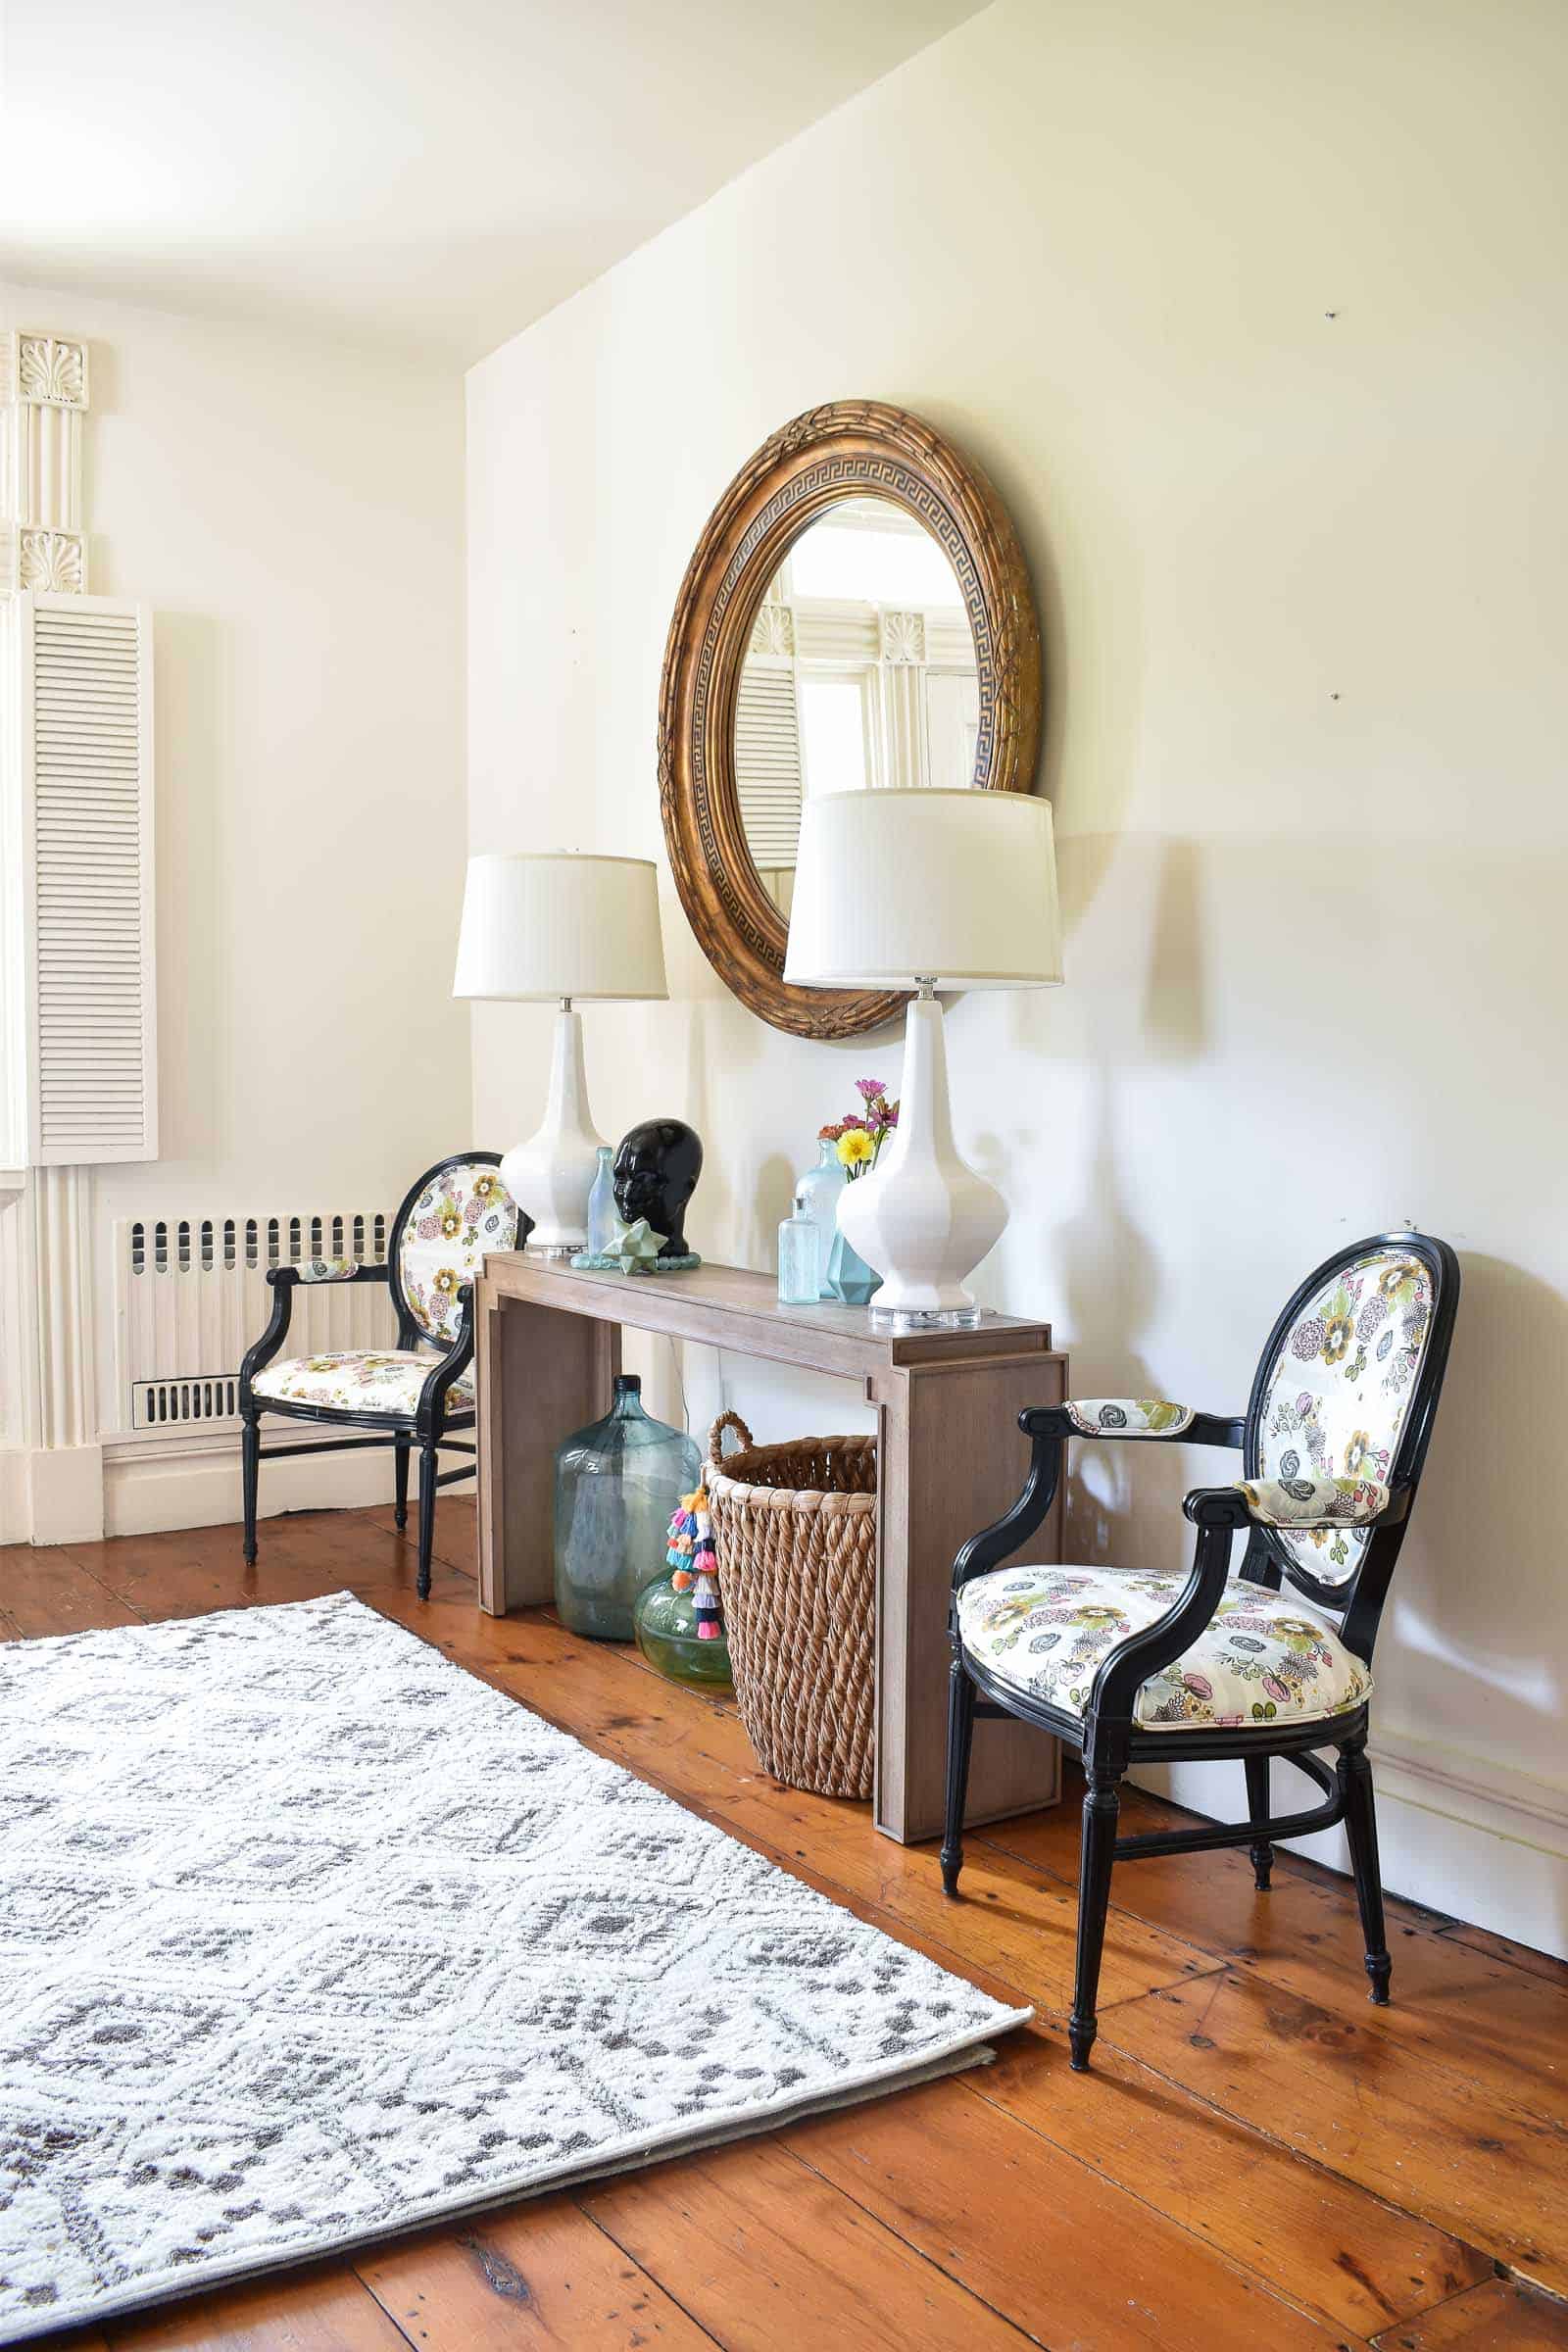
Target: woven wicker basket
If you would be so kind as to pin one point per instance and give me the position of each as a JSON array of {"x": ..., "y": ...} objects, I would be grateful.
[{"x": 794, "y": 1541}]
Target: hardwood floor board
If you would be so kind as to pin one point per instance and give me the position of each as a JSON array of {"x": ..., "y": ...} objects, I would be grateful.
[
  {"x": 1545, "y": 1965},
  {"x": 46, "y": 1590},
  {"x": 1326, "y": 2244},
  {"x": 1491, "y": 2021},
  {"x": 536, "y": 2276},
  {"x": 303, "y": 2310},
  {"x": 300, "y": 1557},
  {"x": 1368, "y": 2108},
  {"x": 1504, "y": 2316},
  {"x": 769, "y": 2256},
  {"x": 917, "y": 2161}
]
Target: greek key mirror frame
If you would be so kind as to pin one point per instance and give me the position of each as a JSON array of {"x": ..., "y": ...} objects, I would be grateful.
[{"x": 846, "y": 448}]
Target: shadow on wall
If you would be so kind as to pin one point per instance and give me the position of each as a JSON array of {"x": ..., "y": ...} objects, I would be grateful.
[{"x": 1480, "y": 1579}]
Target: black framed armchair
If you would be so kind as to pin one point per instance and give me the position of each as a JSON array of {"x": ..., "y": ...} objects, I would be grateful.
[
  {"x": 406, "y": 1397},
  {"x": 1131, "y": 1666}
]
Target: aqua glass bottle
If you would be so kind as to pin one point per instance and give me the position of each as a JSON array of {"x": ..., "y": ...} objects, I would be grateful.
[
  {"x": 617, "y": 1485},
  {"x": 799, "y": 1258},
  {"x": 818, "y": 1191},
  {"x": 602, "y": 1216}
]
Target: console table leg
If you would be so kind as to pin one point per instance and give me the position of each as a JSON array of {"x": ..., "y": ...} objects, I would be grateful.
[{"x": 542, "y": 1374}]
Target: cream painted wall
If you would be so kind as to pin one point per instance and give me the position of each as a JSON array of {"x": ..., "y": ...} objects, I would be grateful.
[
  {"x": 1256, "y": 315},
  {"x": 292, "y": 513}
]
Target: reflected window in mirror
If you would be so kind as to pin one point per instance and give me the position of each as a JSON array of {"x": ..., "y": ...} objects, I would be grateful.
[{"x": 859, "y": 674}]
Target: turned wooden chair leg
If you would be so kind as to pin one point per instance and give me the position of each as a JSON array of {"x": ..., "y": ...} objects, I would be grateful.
[
  {"x": 250, "y": 1473},
  {"x": 1102, "y": 1809},
  {"x": 961, "y": 1736},
  {"x": 428, "y": 1473},
  {"x": 1361, "y": 1827},
  {"x": 1261, "y": 1851},
  {"x": 400, "y": 1507}
]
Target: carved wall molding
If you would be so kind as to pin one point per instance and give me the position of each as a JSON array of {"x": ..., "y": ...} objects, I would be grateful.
[
  {"x": 54, "y": 562},
  {"x": 843, "y": 449},
  {"x": 51, "y": 370},
  {"x": 43, "y": 542}
]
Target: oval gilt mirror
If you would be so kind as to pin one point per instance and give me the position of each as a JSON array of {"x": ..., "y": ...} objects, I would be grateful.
[{"x": 855, "y": 616}]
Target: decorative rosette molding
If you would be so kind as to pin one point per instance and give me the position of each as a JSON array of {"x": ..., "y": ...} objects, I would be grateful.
[
  {"x": 51, "y": 370},
  {"x": 54, "y": 562}
]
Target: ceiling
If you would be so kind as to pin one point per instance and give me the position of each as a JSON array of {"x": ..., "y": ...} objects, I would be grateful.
[{"x": 428, "y": 175}]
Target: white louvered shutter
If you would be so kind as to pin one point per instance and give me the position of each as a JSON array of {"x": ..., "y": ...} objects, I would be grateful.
[
  {"x": 768, "y": 763},
  {"x": 88, "y": 835}
]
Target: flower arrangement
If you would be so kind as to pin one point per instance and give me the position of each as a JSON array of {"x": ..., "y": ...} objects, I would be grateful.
[{"x": 860, "y": 1133}]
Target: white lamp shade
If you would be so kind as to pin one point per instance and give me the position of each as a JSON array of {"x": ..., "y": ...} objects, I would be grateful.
[
  {"x": 894, "y": 887},
  {"x": 558, "y": 925}
]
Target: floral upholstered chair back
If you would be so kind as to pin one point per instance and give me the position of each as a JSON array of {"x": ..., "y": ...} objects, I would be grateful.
[
  {"x": 461, "y": 1211},
  {"x": 1337, "y": 1390}
]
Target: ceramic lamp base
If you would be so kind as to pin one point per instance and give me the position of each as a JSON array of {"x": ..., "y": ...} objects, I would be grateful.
[
  {"x": 552, "y": 1173},
  {"x": 923, "y": 1218}
]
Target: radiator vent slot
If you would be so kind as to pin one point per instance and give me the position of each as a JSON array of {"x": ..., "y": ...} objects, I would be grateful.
[{"x": 192, "y": 1296}]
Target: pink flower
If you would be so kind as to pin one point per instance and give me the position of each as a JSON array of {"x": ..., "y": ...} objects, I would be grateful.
[
  {"x": 853, "y": 1118},
  {"x": 1275, "y": 1688},
  {"x": 1199, "y": 1686},
  {"x": 868, "y": 1088}
]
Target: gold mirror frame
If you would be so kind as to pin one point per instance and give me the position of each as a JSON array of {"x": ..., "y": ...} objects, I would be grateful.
[{"x": 849, "y": 447}]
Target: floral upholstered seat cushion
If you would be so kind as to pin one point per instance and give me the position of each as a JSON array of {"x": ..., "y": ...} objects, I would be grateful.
[
  {"x": 1339, "y": 1392},
  {"x": 1263, "y": 1658},
  {"x": 359, "y": 1381},
  {"x": 462, "y": 1212}
]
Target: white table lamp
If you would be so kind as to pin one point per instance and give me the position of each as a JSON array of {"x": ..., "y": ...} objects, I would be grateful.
[
  {"x": 924, "y": 890},
  {"x": 554, "y": 928}
]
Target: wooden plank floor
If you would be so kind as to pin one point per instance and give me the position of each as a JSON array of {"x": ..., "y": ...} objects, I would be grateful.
[{"x": 1259, "y": 2159}]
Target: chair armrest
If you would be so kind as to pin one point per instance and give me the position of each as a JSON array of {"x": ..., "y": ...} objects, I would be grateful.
[
  {"x": 1124, "y": 1670},
  {"x": 997, "y": 1543},
  {"x": 1298, "y": 1504},
  {"x": 327, "y": 1269},
  {"x": 1151, "y": 1418}
]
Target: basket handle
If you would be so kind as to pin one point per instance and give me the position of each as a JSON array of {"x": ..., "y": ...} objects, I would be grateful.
[{"x": 715, "y": 1437}]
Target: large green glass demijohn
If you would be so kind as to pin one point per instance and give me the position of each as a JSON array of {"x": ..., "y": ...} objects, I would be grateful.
[{"x": 618, "y": 1484}]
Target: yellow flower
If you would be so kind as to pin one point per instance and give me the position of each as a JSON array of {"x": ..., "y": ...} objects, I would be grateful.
[{"x": 855, "y": 1147}]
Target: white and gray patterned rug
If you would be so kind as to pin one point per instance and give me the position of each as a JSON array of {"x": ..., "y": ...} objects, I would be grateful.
[{"x": 305, "y": 1936}]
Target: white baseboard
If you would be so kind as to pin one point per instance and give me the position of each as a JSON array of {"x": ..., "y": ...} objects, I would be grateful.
[
  {"x": 164, "y": 1482},
  {"x": 1480, "y": 1840}
]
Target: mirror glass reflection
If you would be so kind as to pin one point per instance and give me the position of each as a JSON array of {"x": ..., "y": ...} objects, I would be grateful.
[{"x": 861, "y": 673}]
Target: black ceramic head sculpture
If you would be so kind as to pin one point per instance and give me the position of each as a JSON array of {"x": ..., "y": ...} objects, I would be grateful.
[{"x": 657, "y": 1167}]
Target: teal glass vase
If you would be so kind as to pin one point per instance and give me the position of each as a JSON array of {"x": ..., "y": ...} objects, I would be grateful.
[
  {"x": 850, "y": 1280},
  {"x": 817, "y": 1193},
  {"x": 667, "y": 1636},
  {"x": 617, "y": 1485}
]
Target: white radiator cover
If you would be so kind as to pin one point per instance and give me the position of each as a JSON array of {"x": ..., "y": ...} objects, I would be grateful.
[{"x": 192, "y": 1295}]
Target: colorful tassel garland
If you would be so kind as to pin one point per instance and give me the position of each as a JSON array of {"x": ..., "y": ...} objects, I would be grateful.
[{"x": 691, "y": 1557}]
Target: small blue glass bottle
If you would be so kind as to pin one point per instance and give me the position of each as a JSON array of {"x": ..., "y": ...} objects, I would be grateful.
[
  {"x": 602, "y": 1216},
  {"x": 800, "y": 1257}
]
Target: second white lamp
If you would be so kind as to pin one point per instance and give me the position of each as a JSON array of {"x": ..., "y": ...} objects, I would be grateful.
[
  {"x": 924, "y": 890},
  {"x": 557, "y": 928}
]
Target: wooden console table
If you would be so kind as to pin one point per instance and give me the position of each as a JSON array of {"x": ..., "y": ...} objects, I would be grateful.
[{"x": 951, "y": 1459}]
